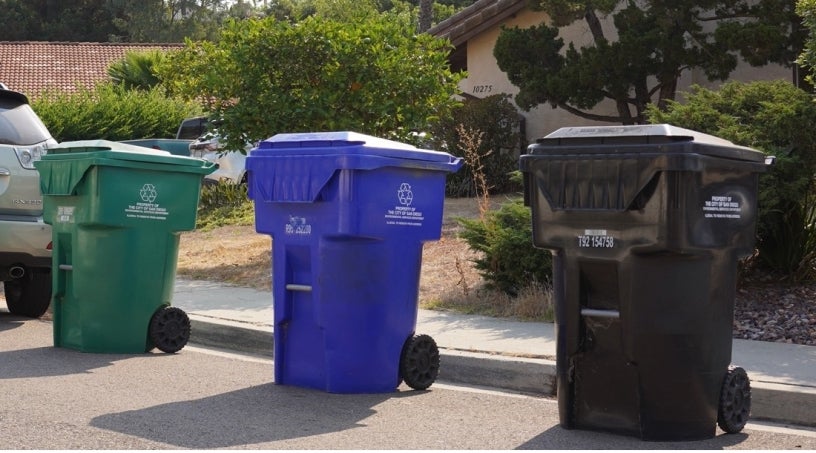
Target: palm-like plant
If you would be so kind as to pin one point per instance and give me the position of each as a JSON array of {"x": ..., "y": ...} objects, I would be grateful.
[{"x": 136, "y": 71}]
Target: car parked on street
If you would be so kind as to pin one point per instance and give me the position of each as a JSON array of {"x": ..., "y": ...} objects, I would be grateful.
[
  {"x": 25, "y": 240},
  {"x": 231, "y": 164},
  {"x": 207, "y": 145}
]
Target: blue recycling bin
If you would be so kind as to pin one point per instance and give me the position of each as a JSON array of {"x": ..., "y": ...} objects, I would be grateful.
[{"x": 348, "y": 214}]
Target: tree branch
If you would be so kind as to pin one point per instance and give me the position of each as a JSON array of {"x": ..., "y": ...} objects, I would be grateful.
[
  {"x": 596, "y": 117},
  {"x": 594, "y": 25}
]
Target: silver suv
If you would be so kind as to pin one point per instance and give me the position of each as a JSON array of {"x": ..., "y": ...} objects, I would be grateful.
[
  {"x": 25, "y": 241},
  {"x": 231, "y": 164}
]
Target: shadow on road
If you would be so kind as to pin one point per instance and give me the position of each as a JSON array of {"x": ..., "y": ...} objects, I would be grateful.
[
  {"x": 9, "y": 321},
  {"x": 52, "y": 361},
  {"x": 263, "y": 413},
  {"x": 556, "y": 437}
]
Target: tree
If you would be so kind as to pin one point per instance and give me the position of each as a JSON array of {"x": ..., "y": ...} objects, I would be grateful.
[
  {"x": 807, "y": 10},
  {"x": 777, "y": 118},
  {"x": 52, "y": 20},
  {"x": 170, "y": 20},
  {"x": 656, "y": 41},
  {"x": 112, "y": 20},
  {"x": 265, "y": 76},
  {"x": 425, "y": 15}
]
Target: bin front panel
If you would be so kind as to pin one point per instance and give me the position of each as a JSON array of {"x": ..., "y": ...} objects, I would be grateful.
[
  {"x": 345, "y": 333},
  {"x": 118, "y": 277},
  {"x": 701, "y": 203},
  {"x": 389, "y": 202},
  {"x": 117, "y": 196},
  {"x": 615, "y": 372}
]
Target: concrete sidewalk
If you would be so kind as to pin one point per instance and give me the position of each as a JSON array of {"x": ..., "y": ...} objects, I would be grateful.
[{"x": 512, "y": 355}]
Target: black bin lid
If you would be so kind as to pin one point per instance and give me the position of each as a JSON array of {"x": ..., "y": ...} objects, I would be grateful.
[{"x": 640, "y": 138}]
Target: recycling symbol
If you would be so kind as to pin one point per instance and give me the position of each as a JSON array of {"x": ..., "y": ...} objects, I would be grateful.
[
  {"x": 148, "y": 193},
  {"x": 405, "y": 195}
]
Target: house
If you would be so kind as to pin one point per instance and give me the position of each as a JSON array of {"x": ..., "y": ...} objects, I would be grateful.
[
  {"x": 474, "y": 31},
  {"x": 33, "y": 67}
]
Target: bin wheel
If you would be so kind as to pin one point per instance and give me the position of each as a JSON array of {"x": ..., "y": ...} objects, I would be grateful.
[
  {"x": 419, "y": 362},
  {"x": 735, "y": 400},
  {"x": 169, "y": 329}
]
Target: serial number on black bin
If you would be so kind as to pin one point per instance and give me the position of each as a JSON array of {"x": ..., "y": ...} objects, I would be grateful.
[{"x": 601, "y": 242}]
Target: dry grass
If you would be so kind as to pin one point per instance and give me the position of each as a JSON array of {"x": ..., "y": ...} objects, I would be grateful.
[
  {"x": 231, "y": 254},
  {"x": 240, "y": 256}
]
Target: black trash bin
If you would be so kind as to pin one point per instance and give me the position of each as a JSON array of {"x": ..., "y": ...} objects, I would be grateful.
[{"x": 646, "y": 224}]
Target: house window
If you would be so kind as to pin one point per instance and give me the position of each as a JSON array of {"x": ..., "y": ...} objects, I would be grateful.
[{"x": 458, "y": 58}]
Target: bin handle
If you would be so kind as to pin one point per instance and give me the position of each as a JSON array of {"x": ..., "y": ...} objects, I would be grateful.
[
  {"x": 595, "y": 313},
  {"x": 66, "y": 267},
  {"x": 295, "y": 287}
]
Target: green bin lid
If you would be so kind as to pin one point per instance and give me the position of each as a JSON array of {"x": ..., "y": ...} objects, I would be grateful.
[
  {"x": 66, "y": 164},
  {"x": 105, "y": 149}
]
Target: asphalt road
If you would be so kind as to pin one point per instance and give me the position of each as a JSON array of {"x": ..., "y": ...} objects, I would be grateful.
[{"x": 55, "y": 398}]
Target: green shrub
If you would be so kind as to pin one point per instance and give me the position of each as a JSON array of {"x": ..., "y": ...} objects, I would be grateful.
[
  {"x": 779, "y": 119},
  {"x": 496, "y": 122},
  {"x": 224, "y": 203},
  {"x": 509, "y": 263},
  {"x": 112, "y": 113}
]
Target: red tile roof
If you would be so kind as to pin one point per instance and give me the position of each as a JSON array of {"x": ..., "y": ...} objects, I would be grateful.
[
  {"x": 475, "y": 19},
  {"x": 34, "y": 66}
]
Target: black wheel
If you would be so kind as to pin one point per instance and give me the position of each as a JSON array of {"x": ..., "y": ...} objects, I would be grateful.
[
  {"x": 735, "y": 400},
  {"x": 29, "y": 295},
  {"x": 169, "y": 329},
  {"x": 419, "y": 362}
]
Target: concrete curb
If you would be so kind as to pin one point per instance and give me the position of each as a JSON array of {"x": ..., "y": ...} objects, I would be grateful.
[
  {"x": 781, "y": 403},
  {"x": 231, "y": 335}
]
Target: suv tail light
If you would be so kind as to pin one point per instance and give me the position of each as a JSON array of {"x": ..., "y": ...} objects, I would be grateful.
[{"x": 29, "y": 155}]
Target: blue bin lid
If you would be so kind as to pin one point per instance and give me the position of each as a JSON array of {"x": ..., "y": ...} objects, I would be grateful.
[{"x": 344, "y": 143}]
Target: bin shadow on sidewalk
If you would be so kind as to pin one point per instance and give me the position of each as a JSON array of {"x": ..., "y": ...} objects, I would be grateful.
[
  {"x": 254, "y": 415},
  {"x": 556, "y": 437}
]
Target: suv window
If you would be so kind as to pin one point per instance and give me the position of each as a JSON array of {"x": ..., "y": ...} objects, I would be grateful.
[
  {"x": 19, "y": 125},
  {"x": 192, "y": 128}
]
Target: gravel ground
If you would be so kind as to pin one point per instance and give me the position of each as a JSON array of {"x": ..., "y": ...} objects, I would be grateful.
[{"x": 778, "y": 313}]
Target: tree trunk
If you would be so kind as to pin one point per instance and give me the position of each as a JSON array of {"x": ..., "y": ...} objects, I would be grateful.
[
  {"x": 668, "y": 91},
  {"x": 425, "y": 15}
]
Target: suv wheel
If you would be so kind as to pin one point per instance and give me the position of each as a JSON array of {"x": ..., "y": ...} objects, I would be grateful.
[{"x": 29, "y": 296}]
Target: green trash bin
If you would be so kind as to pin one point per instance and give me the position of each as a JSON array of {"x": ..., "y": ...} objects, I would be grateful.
[{"x": 116, "y": 213}]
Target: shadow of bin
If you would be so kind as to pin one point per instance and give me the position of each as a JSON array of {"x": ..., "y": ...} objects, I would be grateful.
[
  {"x": 116, "y": 212},
  {"x": 646, "y": 224},
  {"x": 348, "y": 214}
]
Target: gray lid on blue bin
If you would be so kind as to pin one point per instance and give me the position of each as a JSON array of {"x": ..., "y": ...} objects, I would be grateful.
[
  {"x": 344, "y": 142},
  {"x": 668, "y": 138}
]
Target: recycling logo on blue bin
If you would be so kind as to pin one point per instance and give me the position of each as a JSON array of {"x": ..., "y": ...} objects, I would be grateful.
[
  {"x": 405, "y": 195},
  {"x": 146, "y": 207},
  {"x": 403, "y": 213}
]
